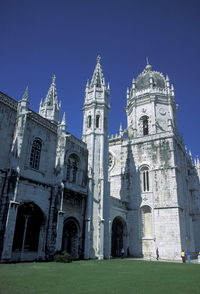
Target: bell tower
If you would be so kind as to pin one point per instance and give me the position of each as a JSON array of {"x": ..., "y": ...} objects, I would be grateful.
[
  {"x": 151, "y": 107},
  {"x": 95, "y": 135}
]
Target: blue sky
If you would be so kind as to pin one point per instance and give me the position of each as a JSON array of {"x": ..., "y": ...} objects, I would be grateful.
[{"x": 41, "y": 38}]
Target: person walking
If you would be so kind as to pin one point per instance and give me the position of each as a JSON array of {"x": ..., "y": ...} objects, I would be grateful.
[
  {"x": 188, "y": 256},
  {"x": 183, "y": 255},
  {"x": 157, "y": 254},
  {"x": 122, "y": 252}
]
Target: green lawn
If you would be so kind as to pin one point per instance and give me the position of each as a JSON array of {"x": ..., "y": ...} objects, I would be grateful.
[{"x": 119, "y": 276}]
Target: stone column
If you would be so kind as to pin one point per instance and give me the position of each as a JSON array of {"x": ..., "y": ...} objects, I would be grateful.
[
  {"x": 9, "y": 232},
  {"x": 24, "y": 235},
  {"x": 88, "y": 217},
  {"x": 101, "y": 239},
  {"x": 60, "y": 220},
  {"x": 59, "y": 230}
]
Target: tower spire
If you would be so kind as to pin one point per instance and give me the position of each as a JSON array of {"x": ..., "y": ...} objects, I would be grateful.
[
  {"x": 50, "y": 108},
  {"x": 51, "y": 97},
  {"x": 97, "y": 78}
]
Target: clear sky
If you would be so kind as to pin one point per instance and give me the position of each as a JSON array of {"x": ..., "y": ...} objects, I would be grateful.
[{"x": 41, "y": 38}]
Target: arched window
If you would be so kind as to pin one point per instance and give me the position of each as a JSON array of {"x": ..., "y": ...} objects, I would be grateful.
[
  {"x": 89, "y": 122},
  {"x": 35, "y": 153},
  {"x": 72, "y": 168},
  {"x": 146, "y": 221},
  {"x": 97, "y": 121},
  {"x": 144, "y": 179}
]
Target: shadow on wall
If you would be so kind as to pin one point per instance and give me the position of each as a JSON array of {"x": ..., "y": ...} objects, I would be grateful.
[
  {"x": 189, "y": 203},
  {"x": 131, "y": 193}
]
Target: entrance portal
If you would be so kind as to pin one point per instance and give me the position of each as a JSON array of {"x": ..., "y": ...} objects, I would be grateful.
[
  {"x": 118, "y": 226},
  {"x": 70, "y": 241}
]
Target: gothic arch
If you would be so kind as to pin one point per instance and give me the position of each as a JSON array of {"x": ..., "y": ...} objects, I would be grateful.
[
  {"x": 145, "y": 178},
  {"x": 71, "y": 237},
  {"x": 119, "y": 236},
  {"x": 30, "y": 223}
]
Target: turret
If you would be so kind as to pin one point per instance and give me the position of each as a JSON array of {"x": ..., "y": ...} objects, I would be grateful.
[{"x": 95, "y": 135}]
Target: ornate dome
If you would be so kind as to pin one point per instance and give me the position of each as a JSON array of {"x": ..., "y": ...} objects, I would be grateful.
[{"x": 148, "y": 77}]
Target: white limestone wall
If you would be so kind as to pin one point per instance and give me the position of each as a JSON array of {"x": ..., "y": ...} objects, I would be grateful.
[
  {"x": 157, "y": 153},
  {"x": 37, "y": 193},
  {"x": 167, "y": 233},
  {"x": 48, "y": 152}
]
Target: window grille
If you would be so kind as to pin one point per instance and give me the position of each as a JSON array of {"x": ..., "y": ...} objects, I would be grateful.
[{"x": 35, "y": 154}]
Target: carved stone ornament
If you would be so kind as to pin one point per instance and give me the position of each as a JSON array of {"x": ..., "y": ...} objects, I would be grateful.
[{"x": 162, "y": 111}]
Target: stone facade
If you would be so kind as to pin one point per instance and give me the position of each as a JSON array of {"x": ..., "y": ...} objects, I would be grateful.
[{"x": 92, "y": 197}]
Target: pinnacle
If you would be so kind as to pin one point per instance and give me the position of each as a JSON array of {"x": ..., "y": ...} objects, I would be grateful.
[
  {"x": 25, "y": 96},
  {"x": 63, "y": 119}
]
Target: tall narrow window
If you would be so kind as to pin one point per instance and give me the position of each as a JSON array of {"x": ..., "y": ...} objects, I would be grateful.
[
  {"x": 35, "y": 153},
  {"x": 145, "y": 179},
  {"x": 68, "y": 170},
  {"x": 97, "y": 121},
  {"x": 72, "y": 168},
  {"x": 145, "y": 126},
  {"x": 89, "y": 121},
  {"x": 74, "y": 171}
]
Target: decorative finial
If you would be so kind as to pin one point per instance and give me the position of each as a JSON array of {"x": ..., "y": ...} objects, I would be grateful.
[
  {"x": 190, "y": 154},
  {"x": 148, "y": 66},
  {"x": 98, "y": 59},
  {"x": 53, "y": 79},
  {"x": 120, "y": 128}
]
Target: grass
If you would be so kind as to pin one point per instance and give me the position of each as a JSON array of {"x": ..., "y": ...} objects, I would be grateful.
[{"x": 118, "y": 276}]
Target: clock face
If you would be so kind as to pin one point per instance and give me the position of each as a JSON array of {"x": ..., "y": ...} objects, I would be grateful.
[{"x": 162, "y": 111}]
